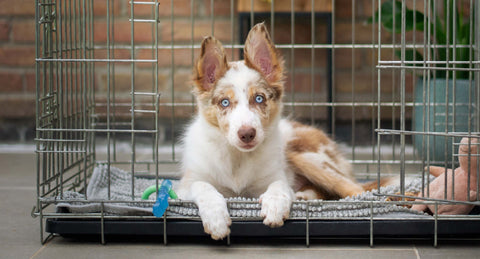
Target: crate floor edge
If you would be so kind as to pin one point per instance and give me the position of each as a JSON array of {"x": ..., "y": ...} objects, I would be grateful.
[{"x": 292, "y": 228}]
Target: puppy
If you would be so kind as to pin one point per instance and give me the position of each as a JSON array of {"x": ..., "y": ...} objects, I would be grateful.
[{"x": 238, "y": 144}]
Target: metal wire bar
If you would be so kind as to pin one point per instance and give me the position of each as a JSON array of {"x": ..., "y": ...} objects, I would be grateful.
[
  {"x": 172, "y": 78},
  {"x": 470, "y": 99},
  {"x": 132, "y": 109},
  {"x": 379, "y": 30},
  {"x": 155, "y": 98},
  {"x": 60, "y": 165},
  {"x": 426, "y": 79},
  {"x": 414, "y": 18},
  {"x": 332, "y": 45},
  {"x": 353, "y": 116},
  {"x": 272, "y": 19},
  {"x": 454, "y": 86},
  {"x": 307, "y": 223},
  {"x": 402, "y": 101},
  {"x": 453, "y": 62},
  {"x": 373, "y": 89},
  {"x": 109, "y": 91},
  {"x": 435, "y": 235},
  {"x": 192, "y": 40},
  {"x": 371, "y": 224},
  {"x": 75, "y": 130},
  {"x": 477, "y": 75},
  {"x": 441, "y": 201},
  {"x": 312, "y": 61},
  {"x": 444, "y": 134},
  {"x": 232, "y": 27},
  {"x": 292, "y": 55},
  {"x": 212, "y": 17},
  {"x": 252, "y": 13},
  {"x": 143, "y": 3},
  {"x": 79, "y": 60},
  {"x": 428, "y": 68}
]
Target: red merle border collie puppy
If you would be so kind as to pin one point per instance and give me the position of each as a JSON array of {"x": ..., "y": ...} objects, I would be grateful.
[{"x": 238, "y": 144}]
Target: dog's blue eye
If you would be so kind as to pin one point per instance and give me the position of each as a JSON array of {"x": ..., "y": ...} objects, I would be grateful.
[
  {"x": 259, "y": 99},
  {"x": 225, "y": 102}
]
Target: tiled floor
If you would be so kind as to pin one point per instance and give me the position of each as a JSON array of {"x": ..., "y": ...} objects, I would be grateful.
[{"x": 20, "y": 238}]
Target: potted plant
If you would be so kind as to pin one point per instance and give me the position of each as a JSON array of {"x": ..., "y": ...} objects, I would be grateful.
[{"x": 435, "y": 98}]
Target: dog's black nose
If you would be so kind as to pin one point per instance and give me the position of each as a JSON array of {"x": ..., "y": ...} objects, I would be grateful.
[{"x": 246, "y": 134}]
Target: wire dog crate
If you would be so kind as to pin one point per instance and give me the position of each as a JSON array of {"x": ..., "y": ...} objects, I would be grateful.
[{"x": 112, "y": 91}]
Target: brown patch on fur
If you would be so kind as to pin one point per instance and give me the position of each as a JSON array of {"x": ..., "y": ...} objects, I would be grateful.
[
  {"x": 224, "y": 93},
  {"x": 253, "y": 91},
  {"x": 212, "y": 108},
  {"x": 278, "y": 91},
  {"x": 307, "y": 139},
  {"x": 275, "y": 108},
  {"x": 329, "y": 176},
  {"x": 265, "y": 89},
  {"x": 210, "y": 115}
]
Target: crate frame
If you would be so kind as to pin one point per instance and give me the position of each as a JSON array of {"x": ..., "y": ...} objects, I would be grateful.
[{"x": 68, "y": 126}]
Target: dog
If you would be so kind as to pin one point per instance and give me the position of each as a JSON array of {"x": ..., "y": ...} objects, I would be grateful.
[{"x": 239, "y": 145}]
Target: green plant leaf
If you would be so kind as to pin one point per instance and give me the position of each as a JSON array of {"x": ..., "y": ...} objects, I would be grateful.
[{"x": 391, "y": 12}]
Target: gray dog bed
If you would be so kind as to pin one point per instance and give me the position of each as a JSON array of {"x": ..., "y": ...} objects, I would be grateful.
[{"x": 121, "y": 190}]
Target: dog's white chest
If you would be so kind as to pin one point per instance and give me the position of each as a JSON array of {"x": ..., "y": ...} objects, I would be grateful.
[{"x": 233, "y": 174}]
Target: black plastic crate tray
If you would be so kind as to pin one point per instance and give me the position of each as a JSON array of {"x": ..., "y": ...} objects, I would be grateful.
[{"x": 291, "y": 229}]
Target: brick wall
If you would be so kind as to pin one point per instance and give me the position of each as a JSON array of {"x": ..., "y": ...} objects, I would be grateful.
[{"x": 17, "y": 54}]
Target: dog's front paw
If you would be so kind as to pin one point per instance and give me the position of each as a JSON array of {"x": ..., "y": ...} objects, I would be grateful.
[
  {"x": 275, "y": 209},
  {"x": 216, "y": 220}
]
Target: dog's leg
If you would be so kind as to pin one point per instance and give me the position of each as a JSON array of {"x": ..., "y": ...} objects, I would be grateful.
[
  {"x": 212, "y": 209},
  {"x": 276, "y": 202}
]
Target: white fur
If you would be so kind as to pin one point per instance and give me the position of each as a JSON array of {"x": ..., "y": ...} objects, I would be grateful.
[
  {"x": 215, "y": 166},
  {"x": 241, "y": 77}
]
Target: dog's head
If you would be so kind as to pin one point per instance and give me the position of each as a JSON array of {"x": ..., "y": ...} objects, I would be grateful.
[{"x": 242, "y": 99}]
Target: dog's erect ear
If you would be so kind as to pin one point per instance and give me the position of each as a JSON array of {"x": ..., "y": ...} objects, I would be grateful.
[
  {"x": 261, "y": 54},
  {"x": 211, "y": 65}
]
